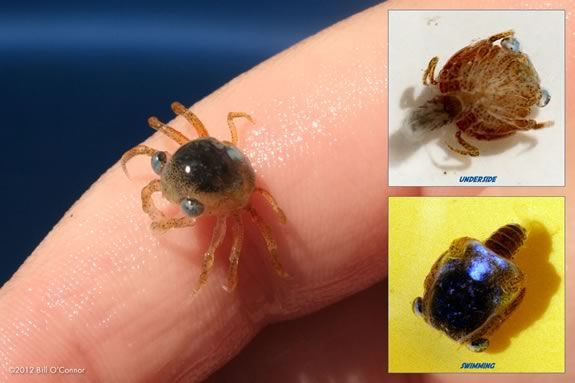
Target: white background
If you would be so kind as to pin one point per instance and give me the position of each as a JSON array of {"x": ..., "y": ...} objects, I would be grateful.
[{"x": 533, "y": 158}]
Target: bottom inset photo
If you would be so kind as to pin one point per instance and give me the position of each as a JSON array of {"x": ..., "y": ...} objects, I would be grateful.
[{"x": 476, "y": 284}]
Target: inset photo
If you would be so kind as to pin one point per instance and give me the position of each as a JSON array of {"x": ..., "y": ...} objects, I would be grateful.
[
  {"x": 476, "y": 98},
  {"x": 476, "y": 284}
]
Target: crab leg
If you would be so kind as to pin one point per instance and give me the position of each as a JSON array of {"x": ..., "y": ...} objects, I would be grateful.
[
  {"x": 167, "y": 130},
  {"x": 208, "y": 261},
  {"x": 232, "y": 126},
  {"x": 470, "y": 149},
  {"x": 532, "y": 124},
  {"x": 268, "y": 196},
  {"x": 164, "y": 225},
  {"x": 430, "y": 72},
  {"x": 270, "y": 241},
  {"x": 181, "y": 110},
  {"x": 238, "y": 235},
  {"x": 136, "y": 151},
  {"x": 500, "y": 36},
  {"x": 147, "y": 203},
  {"x": 160, "y": 224}
]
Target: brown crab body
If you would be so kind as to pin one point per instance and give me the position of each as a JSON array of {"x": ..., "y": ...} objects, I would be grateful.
[
  {"x": 489, "y": 90},
  {"x": 206, "y": 176}
]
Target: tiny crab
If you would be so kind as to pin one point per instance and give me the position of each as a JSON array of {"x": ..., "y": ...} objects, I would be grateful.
[
  {"x": 206, "y": 176},
  {"x": 489, "y": 90},
  {"x": 473, "y": 287}
]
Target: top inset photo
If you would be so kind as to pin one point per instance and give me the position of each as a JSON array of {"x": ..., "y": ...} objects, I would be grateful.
[{"x": 476, "y": 98}]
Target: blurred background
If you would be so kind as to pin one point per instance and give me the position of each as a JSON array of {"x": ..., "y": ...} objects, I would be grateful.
[{"x": 78, "y": 82}]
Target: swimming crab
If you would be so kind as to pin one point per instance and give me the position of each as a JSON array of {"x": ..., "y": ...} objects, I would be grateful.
[
  {"x": 489, "y": 90},
  {"x": 206, "y": 176},
  {"x": 474, "y": 286}
]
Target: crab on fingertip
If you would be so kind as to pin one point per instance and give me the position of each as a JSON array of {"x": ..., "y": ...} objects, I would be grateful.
[{"x": 206, "y": 176}]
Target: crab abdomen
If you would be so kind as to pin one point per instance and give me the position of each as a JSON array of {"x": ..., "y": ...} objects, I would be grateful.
[{"x": 496, "y": 88}]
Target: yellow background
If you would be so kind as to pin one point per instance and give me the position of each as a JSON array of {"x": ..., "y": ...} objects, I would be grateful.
[{"x": 421, "y": 229}]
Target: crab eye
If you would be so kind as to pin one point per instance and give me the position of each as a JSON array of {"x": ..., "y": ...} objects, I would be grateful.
[
  {"x": 192, "y": 207},
  {"x": 158, "y": 161},
  {"x": 510, "y": 43},
  {"x": 234, "y": 153},
  {"x": 418, "y": 306},
  {"x": 544, "y": 98}
]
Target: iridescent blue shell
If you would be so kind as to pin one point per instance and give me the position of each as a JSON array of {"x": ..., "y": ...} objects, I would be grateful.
[
  {"x": 474, "y": 286},
  {"x": 467, "y": 291}
]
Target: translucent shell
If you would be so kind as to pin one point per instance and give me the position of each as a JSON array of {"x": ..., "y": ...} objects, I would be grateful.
[
  {"x": 213, "y": 172},
  {"x": 473, "y": 287}
]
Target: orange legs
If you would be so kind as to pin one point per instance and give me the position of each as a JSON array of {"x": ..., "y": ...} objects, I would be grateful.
[
  {"x": 238, "y": 238},
  {"x": 181, "y": 110},
  {"x": 470, "y": 150},
  {"x": 172, "y": 223},
  {"x": 271, "y": 243},
  {"x": 167, "y": 130},
  {"x": 232, "y": 126},
  {"x": 208, "y": 261},
  {"x": 160, "y": 127},
  {"x": 429, "y": 74},
  {"x": 175, "y": 135},
  {"x": 136, "y": 151},
  {"x": 270, "y": 199},
  {"x": 500, "y": 36},
  {"x": 147, "y": 203},
  {"x": 237, "y": 241},
  {"x": 159, "y": 223},
  {"x": 531, "y": 124}
]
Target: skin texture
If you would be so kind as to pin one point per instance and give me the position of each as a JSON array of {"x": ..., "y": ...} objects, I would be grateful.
[
  {"x": 102, "y": 292},
  {"x": 343, "y": 342}
]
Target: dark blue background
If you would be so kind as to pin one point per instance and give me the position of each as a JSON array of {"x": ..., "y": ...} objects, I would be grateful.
[{"x": 78, "y": 81}]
